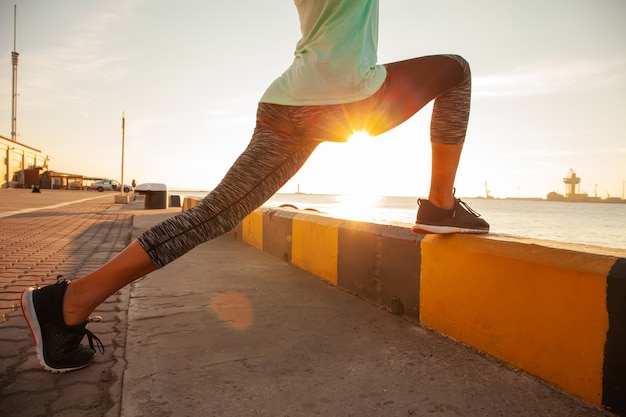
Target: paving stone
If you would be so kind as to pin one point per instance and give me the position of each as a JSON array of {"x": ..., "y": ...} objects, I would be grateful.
[
  {"x": 11, "y": 305},
  {"x": 13, "y": 333},
  {"x": 35, "y": 249},
  {"x": 14, "y": 317}
]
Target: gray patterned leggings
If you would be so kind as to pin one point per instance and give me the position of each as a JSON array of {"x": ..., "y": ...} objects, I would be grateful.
[{"x": 285, "y": 137}]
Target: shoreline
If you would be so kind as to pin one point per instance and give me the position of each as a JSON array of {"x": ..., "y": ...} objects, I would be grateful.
[{"x": 612, "y": 200}]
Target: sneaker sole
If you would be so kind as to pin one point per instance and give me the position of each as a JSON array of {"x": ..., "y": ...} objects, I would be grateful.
[
  {"x": 442, "y": 230},
  {"x": 28, "y": 310}
]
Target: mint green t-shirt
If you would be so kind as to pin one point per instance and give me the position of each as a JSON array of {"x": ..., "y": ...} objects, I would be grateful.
[{"x": 335, "y": 60}]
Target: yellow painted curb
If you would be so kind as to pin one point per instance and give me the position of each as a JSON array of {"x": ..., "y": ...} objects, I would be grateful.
[{"x": 540, "y": 309}]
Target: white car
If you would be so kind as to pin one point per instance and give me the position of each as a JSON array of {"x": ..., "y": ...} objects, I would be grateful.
[{"x": 109, "y": 185}]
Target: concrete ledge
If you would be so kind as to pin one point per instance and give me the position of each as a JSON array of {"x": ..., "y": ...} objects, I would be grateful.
[
  {"x": 540, "y": 309},
  {"x": 122, "y": 199},
  {"x": 381, "y": 263},
  {"x": 556, "y": 311}
]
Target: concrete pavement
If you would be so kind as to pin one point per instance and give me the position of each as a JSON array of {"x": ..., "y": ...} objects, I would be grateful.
[
  {"x": 231, "y": 331},
  {"x": 18, "y": 201}
]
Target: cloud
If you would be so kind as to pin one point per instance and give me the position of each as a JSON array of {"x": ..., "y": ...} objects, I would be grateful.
[{"x": 578, "y": 76}]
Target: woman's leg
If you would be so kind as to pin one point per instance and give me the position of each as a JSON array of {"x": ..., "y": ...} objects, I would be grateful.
[
  {"x": 85, "y": 294},
  {"x": 445, "y": 160},
  {"x": 409, "y": 86},
  {"x": 413, "y": 83}
]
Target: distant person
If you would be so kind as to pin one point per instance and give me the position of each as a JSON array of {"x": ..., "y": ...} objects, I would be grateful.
[
  {"x": 333, "y": 88},
  {"x": 134, "y": 184}
]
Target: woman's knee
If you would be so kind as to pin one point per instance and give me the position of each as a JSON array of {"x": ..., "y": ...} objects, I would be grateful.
[{"x": 462, "y": 62}]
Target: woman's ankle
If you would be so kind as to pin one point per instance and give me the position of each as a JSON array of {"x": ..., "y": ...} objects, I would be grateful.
[
  {"x": 443, "y": 201},
  {"x": 73, "y": 312}
]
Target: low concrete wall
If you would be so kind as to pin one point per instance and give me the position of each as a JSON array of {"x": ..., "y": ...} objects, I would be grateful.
[{"x": 556, "y": 311}]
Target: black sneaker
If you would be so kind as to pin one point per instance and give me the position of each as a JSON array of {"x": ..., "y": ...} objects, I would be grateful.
[
  {"x": 57, "y": 345},
  {"x": 460, "y": 219}
]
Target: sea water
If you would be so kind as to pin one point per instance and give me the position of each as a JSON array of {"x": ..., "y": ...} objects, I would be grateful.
[{"x": 602, "y": 224}]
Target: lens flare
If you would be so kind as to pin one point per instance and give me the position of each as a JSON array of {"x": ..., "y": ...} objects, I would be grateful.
[{"x": 234, "y": 309}]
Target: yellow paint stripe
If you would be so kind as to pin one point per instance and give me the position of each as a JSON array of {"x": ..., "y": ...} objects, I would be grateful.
[
  {"x": 315, "y": 246},
  {"x": 252, "y": 229},
  {"x": 189, "y": 202},
  {"x": 522, "y": 304}
]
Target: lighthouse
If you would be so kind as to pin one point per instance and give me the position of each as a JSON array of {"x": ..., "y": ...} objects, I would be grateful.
[{"x": 571, "y": 181}]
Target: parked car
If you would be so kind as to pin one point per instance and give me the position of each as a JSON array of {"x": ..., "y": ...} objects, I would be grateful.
[{"x": 109, "y": 185}]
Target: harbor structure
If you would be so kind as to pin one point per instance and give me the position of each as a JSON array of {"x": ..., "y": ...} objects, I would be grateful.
[
  {"x": 571, "y": 181},
  {"x": 572, "y": 192}
]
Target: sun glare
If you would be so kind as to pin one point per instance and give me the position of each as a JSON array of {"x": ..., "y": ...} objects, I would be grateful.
[
  {"x": 360, "y": 202},
  {"x": 364, "y": 167},
  {"x": 359, "y": 136},
  {"x": 359, "y": 206}
]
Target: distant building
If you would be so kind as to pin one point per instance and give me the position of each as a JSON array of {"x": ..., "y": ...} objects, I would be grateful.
[
  {"x": 20, "y": 164},
  {"x": 571, "y": 194},
  {"x": 64, "y": 181}
]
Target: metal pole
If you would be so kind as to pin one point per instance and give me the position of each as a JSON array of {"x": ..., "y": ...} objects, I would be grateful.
[
  {"x": 14, "y": 56},
  {"x": 8, "y": 166},
  {"x": 123, "y": 129}
]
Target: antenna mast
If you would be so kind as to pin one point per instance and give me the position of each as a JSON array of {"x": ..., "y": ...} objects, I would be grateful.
[
  {"x": 14, "y": 56},
  {"x": 123, "y": 134}
]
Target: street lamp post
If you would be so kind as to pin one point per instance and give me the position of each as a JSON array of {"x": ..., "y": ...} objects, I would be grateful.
[
  {"x": 123, "y": 133},
  {"x": 122, "y": 198}
]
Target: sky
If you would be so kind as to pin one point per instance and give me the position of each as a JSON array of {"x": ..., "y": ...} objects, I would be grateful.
[{"x": 549, "y": 92}]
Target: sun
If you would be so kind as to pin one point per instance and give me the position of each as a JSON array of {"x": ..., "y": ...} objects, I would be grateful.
[{"x": 359, "y": 136}]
